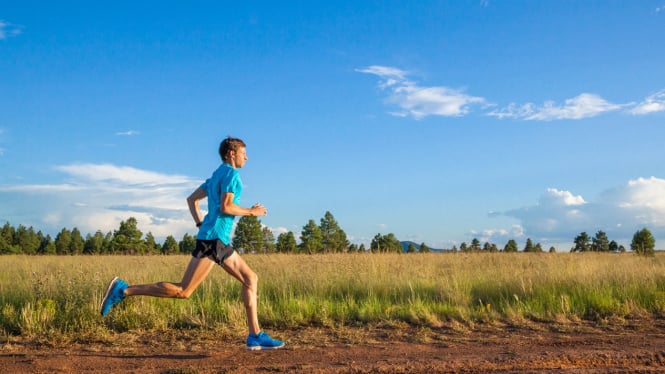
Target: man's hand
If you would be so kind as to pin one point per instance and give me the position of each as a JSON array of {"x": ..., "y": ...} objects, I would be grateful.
[{"x": 258, "y": 210}]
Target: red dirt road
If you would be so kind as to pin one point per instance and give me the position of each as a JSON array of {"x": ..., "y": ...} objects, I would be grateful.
[{"x": 632, "y": 346}]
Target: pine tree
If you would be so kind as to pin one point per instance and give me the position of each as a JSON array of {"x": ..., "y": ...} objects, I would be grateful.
[
  {"x": 614, "y": 246},
  {"x": 643, "y": 243},
  {"x": 27, "y": 240},
  {"x": 170, "y": 246},
  {"x": 7, "y": 242},
  {"x": 600, "y": 242},
  {"x": 411, "y": 248},
  {"x": 528, "y": 247},
  {"x": 268, "y": 240},
  {"x": 582, "y": 243},
  {"x": 187, "y": 244},
  {"x": 511, "y": 246},
  {"x": 311, "y": 238},
  {"x": 151, "y": 246},
  {"x": 248, "y": 235},
  {"x": 385, "y": 244},
  {"x": 332, "y": 236},
  {"x": 47, "y": 246},
  {"x": 76, "y": 246},
  {"x": 94, "y": 244},
  {"x": 286, "y": 243},
  {"x": 63, "y": 241},
  {"x": 127, "y": 239}
]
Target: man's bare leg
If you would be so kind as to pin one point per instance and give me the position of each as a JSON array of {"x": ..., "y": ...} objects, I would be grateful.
[
  {"x": 238, "y": 268},
  {"x": 196, "y": 272}
]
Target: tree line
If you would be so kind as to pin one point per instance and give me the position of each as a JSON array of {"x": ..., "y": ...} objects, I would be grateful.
[
  {"x": 127, "y": 239},
  {"x": 643, "y": 243},
  {"x": 251, "y": 236}
]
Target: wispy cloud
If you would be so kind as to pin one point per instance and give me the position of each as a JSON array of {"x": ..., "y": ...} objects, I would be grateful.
[
  {"x": 120, "y": 175},
  {"x": 7, "y": 30},
  {"x": 582, "y": 106},
  {"x": 561, "y": 215},
  {"x": 128, "y": 133},
  {"x": 99, "y": 196},
  {"x": 420, "y": 101},
  {"x": 498, "y": 236},
  {"x": 653, "y": 103}
]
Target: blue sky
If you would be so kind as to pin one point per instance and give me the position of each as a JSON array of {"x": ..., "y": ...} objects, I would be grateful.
[{"x": 438, "y": 121}]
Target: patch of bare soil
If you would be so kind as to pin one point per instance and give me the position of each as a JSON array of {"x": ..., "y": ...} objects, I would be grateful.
[{"x": 629, "y": 346}]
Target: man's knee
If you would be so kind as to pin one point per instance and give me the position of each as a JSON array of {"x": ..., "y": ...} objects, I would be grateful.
[
  {"x": 250, "y": 280},
  {"x": 184, "y": 294}
]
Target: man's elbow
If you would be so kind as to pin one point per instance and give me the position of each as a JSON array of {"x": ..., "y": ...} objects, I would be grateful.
[{"x": 191, "y": 200}]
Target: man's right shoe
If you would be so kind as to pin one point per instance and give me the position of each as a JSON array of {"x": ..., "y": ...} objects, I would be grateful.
[
  {"x": 262, "y": 341},
  {"x": 115, "y": 293}
]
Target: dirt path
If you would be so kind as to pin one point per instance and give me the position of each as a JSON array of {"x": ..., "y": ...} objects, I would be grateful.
[{"x": 635, "y": 346}]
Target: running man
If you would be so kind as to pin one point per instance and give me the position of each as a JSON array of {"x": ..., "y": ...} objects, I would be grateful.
[{"x": 223, "y": 190}]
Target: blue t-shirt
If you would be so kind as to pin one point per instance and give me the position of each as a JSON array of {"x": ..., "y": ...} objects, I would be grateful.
[{"x": 218, "y": 225}]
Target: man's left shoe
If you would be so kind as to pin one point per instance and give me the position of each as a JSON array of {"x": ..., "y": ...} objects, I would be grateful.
[{"x": 115, "y": 293}]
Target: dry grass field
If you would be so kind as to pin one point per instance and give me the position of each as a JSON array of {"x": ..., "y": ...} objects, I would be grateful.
[{"x": 343, "y": 313}]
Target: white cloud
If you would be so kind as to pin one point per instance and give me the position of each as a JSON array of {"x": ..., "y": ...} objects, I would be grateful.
[
  {"x": 99, "y": 196},
  {"x": 582, "y": 106},
  {"x": 644, "y": 198},
  {"x": 652, "y": 104},
  {"x": 7, "y": 29},
  {"x": 385, "y": 72},
  {"x": 420, "y": 101},
  {"x": 121, "y": 175},
  {"x": 561, "y": 215},
  {"x": 276, "y": 231},
  {"x": 562, "y": 198},
  {"x": 498, "y": 236},
  {"x": 128, "y": 133}
]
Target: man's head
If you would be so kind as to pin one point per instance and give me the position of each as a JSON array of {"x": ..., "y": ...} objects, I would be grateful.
[{"x": 232, "y": 151}]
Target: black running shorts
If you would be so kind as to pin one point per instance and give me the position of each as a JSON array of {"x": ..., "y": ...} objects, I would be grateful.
[{"x": 212, "y": 249}]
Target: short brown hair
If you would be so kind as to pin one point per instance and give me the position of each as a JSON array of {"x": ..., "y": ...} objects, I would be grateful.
[{"x": 229, "y": 144}]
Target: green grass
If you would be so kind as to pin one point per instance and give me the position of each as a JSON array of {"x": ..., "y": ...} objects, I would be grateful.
[{"x": 60, "y": 295}]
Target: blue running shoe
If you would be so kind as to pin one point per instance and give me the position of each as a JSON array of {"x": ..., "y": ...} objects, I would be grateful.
[
  {"x": 114, "y": 294},
  {"x": 262, "y": 341}
]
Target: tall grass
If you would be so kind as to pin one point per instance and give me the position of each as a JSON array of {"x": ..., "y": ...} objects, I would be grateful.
[{"x": 44, "y": 296}]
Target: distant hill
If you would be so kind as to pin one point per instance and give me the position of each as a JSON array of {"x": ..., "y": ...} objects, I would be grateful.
[{"x": 405, "y": 246}]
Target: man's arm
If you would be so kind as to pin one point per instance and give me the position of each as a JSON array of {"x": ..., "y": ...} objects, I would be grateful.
[
  {"x": 193, "y": 203},
  {"x": 229, "y": 207}
]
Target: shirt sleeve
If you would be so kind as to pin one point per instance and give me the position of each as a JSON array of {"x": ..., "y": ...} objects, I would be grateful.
[{"x": 234, "y": 185}]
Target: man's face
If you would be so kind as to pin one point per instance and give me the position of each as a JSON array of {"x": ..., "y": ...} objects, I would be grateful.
[{"x": 239, "y": 157}]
